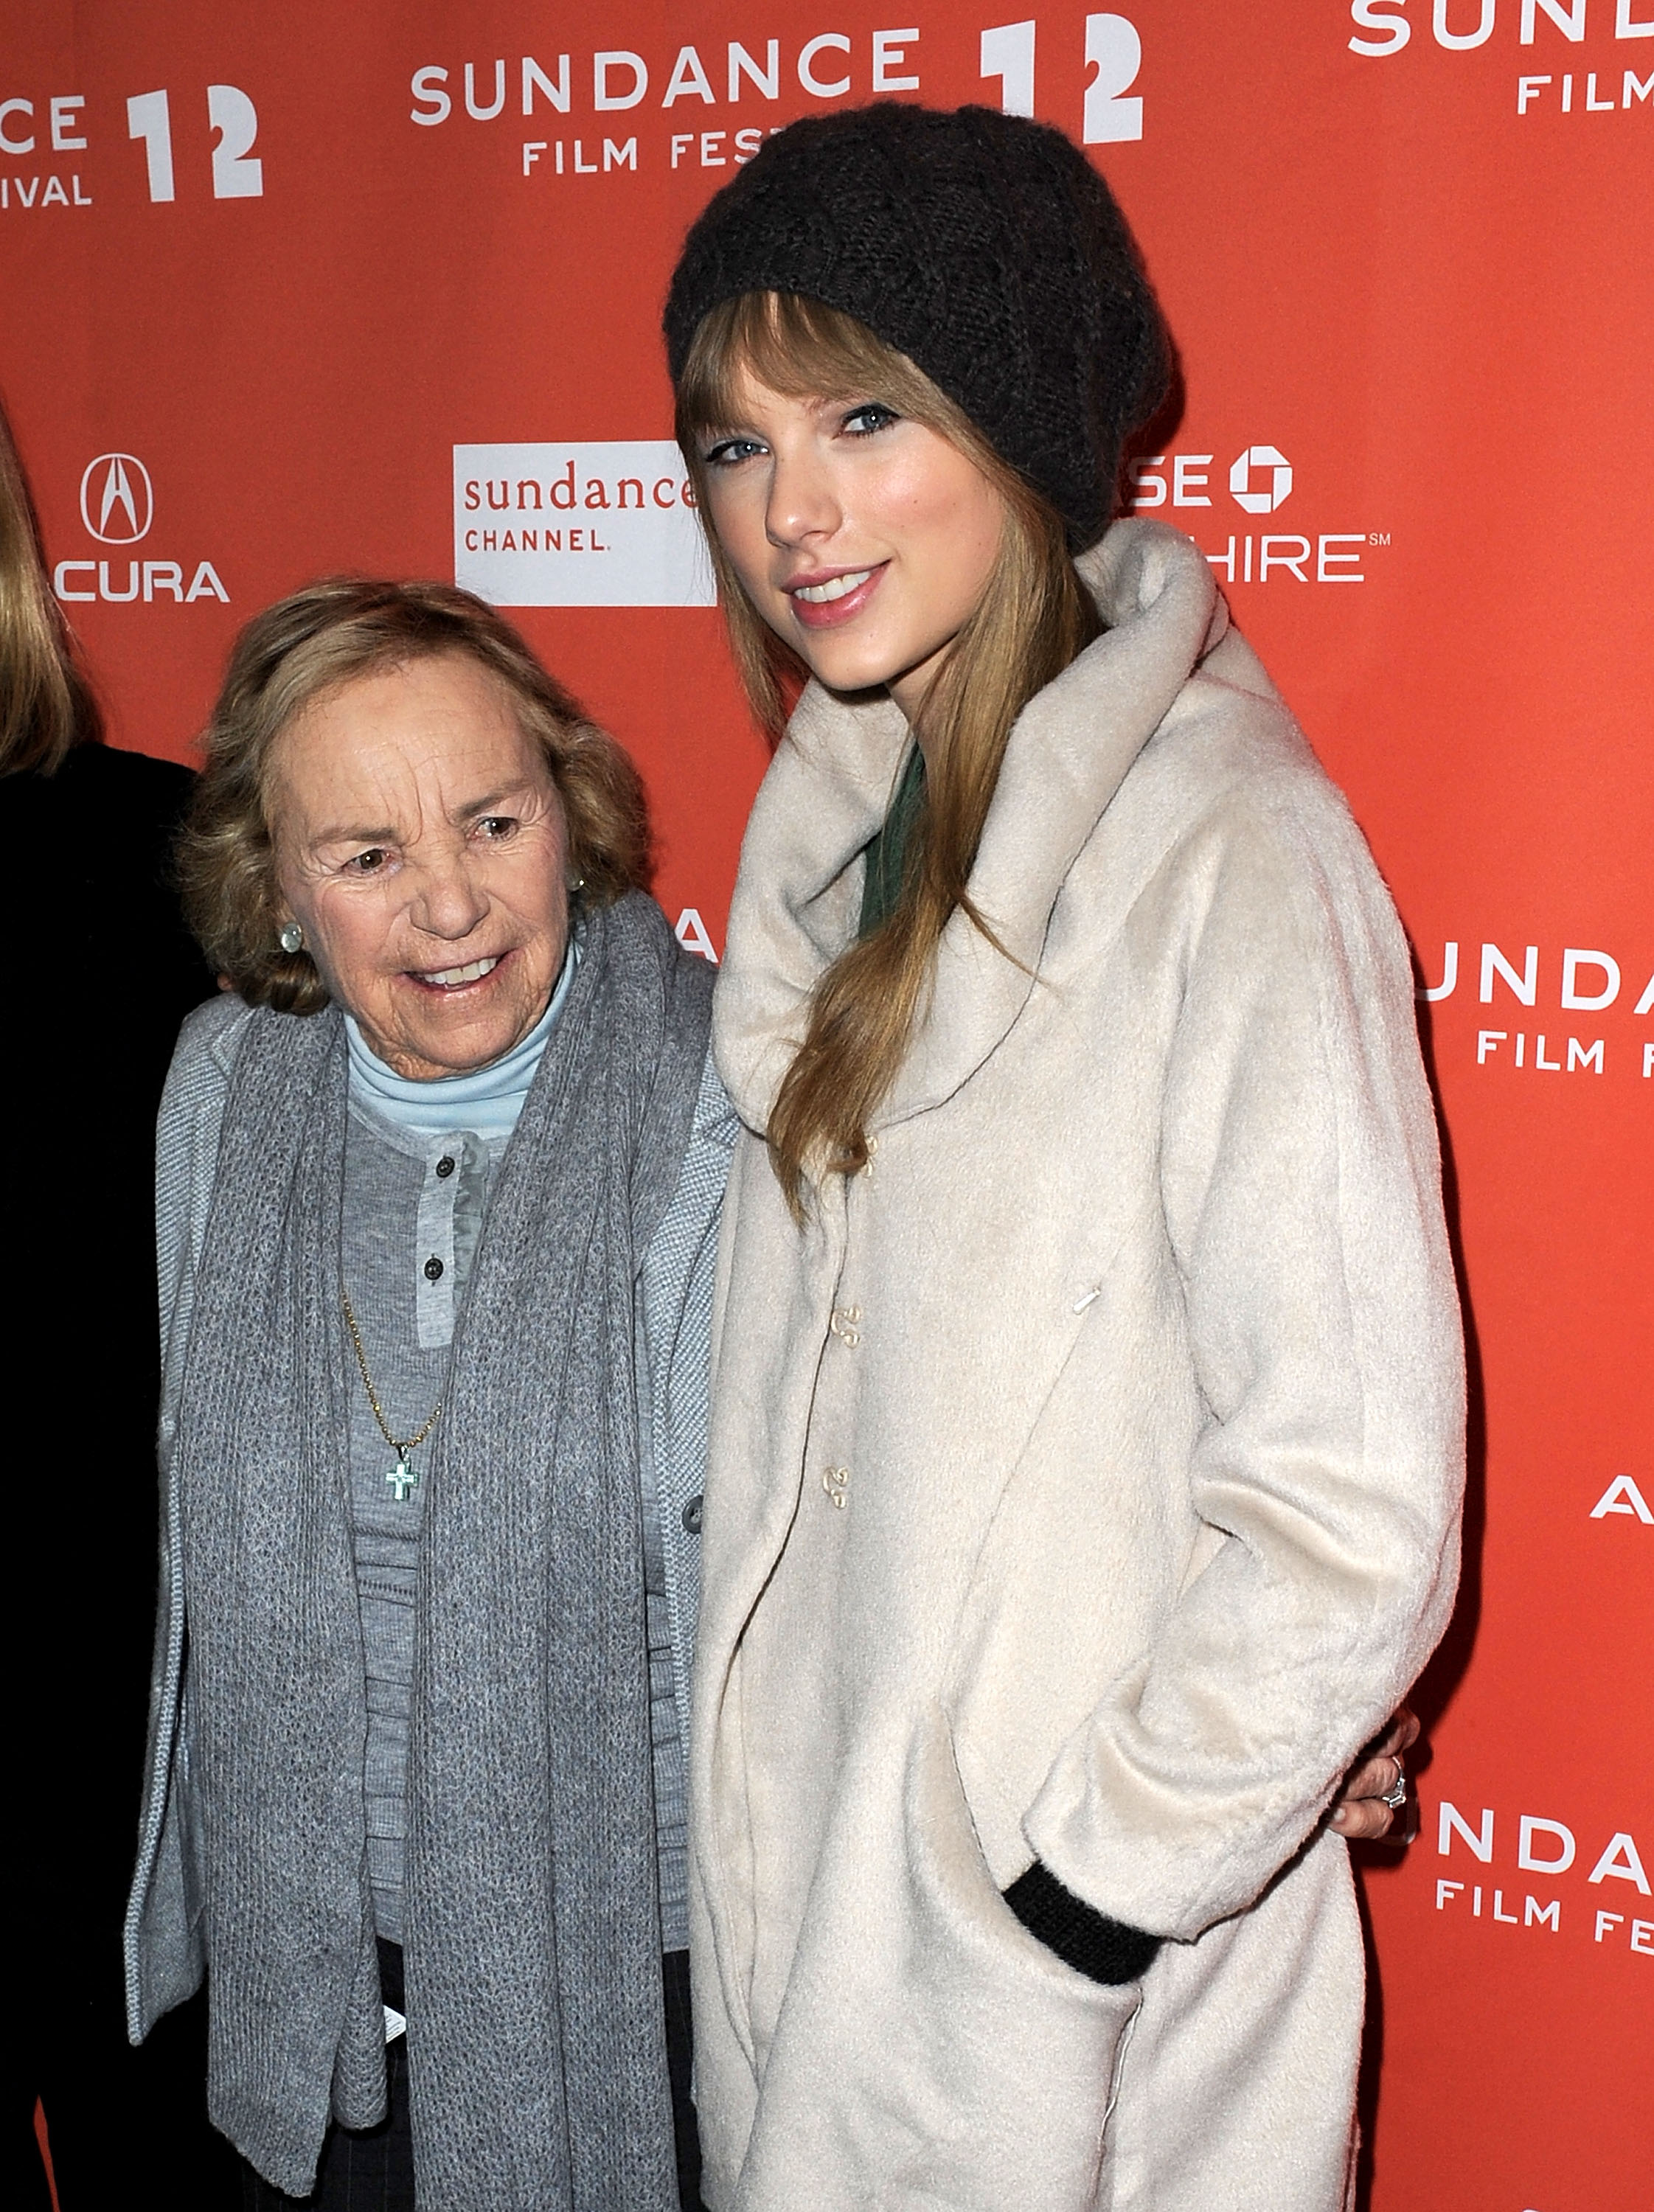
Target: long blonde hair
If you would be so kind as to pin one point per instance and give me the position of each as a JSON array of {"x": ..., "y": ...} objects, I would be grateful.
[
  {"x": 45, "y": 705},
  {"x": 1031, "y": 621}
]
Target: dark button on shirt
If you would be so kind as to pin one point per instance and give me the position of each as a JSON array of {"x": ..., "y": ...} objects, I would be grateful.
[
  {"x": 445, "y": 1167},
  {"x": 433, "y": 1269},
  {"x": 692, "y": 1515}
]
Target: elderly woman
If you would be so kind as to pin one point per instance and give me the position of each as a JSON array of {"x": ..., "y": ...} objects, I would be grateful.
[{"x": 437, "y": 1189}]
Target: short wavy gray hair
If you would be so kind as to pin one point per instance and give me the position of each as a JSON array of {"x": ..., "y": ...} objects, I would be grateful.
[{"x": 312, "y": 643}]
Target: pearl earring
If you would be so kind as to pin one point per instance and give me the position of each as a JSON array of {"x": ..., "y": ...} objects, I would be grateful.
[{"x": 292, "y": 936}]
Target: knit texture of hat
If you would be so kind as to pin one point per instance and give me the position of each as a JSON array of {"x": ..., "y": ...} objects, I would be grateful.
[{"x": 983, "y": 246}]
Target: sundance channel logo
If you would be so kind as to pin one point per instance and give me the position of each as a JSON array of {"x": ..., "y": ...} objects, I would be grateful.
[{"x": 602, "y": 525}]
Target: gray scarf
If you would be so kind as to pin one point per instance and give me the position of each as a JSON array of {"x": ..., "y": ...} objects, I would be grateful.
[{"x": 536, "y": 2038}]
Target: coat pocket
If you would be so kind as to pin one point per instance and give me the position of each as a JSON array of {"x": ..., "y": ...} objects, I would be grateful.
[{"x": 1011, "y": 2058}]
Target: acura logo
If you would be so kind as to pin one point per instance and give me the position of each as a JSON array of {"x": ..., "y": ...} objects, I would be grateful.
[{"x": 117, "y": 499}]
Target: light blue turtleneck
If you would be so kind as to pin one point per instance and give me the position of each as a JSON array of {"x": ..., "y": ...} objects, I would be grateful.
[{"x": 487, "y": 1101}]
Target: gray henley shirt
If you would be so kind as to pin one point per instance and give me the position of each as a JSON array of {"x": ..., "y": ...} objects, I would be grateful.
[{"x": 413, "y": 1213}]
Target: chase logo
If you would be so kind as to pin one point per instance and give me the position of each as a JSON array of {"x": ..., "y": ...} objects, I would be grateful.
[
  {"x": 1277, "y": 471},
  {"x": 117, "y": 499}
]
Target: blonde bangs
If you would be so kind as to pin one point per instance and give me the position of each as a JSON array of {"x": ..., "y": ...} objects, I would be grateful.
[{"x": 805, "y": 350}]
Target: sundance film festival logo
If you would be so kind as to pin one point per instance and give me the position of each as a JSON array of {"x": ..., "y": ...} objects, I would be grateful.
[
  {"x": 1575, "y": 56},
  {"x": 608, "y": 524},
  {"x": 54, "y": 122},
  {"x": 1524, "y": 1888},
  {"x": 1622, "y": 1496},
  {"x": 716, "y": 101},
  {"x": 1558, "y": 984},
  {"x": 118, "y": 508}
]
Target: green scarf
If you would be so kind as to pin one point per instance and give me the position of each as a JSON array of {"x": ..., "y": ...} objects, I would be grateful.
[{"x": 887, "y": 853}]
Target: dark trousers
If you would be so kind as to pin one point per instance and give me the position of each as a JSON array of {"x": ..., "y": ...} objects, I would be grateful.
[
  {"x": 680, "y": 2055},
  {"x": 371, "y": 2169}
]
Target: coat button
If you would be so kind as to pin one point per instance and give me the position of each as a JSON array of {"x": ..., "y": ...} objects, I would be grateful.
[
  {"x": 433, "y": 1269},
  {"x": 692, "y": 1515}
]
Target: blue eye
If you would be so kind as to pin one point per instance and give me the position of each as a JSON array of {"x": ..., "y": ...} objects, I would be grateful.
[
  {"x": 730, "y": 451},
  {"x": 866, "y": 422}
]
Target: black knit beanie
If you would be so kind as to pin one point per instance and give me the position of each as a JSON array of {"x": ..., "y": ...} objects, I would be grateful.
[{"x": 983, "y": 246}]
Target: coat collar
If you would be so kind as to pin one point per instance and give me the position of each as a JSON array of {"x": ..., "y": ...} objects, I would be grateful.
[{"x": 798, "y": 896}]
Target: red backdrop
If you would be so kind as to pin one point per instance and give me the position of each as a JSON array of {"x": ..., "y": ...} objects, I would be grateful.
[{"x": 265, "y": 270}]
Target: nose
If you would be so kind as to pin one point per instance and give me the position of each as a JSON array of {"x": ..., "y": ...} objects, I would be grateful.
[
  {"x": 447, "y": 902},
  {"x": 802, "y": 503}
]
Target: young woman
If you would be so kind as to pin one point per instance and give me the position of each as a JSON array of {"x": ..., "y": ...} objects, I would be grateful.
[{"x": 1087, "y": 1430}]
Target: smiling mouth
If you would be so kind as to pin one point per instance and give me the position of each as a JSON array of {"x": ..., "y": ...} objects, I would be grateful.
[
  {"x": 455, "y": 979},
  {"x": 829, "y": 601},
  {"x": 835, "y": 588}
]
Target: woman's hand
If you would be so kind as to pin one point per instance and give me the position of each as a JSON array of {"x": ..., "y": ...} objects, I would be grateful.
[{"x": 1363, "y": 1812}]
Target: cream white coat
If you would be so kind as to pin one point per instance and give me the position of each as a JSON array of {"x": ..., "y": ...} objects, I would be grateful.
[{"x": 1084, "y": 1481}]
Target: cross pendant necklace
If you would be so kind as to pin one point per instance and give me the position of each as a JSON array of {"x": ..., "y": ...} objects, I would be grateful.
[{"x": 401, "y": 1478}]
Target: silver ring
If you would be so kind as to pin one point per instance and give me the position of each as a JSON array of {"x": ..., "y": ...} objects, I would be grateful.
[{"x": 1395, "y": 1796}]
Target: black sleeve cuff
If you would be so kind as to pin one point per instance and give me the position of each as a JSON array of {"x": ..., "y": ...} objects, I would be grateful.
[{"x": 1088, "y": 1941}]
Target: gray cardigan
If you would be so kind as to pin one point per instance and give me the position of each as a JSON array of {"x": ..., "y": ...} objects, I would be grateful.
[{"x": 164, "y": 1958}]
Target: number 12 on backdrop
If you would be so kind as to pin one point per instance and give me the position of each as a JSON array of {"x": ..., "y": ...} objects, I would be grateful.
[
  {"x": 1113, "y": 51},
  {"x": 237, "y": 172}
]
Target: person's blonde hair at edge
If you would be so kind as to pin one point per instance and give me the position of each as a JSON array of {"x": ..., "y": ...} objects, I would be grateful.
[
  {"x": 314, "y": 643},
  {"x": 45, "y": 707},
  {"x": 1031, "y": 621}
]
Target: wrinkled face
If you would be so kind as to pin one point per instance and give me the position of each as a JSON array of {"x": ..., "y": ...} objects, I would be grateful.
[
  {"x": 420, "y": 843},
  {"x": 863, "y": 539}
]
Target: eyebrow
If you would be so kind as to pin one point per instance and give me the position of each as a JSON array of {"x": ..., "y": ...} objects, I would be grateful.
[
  {"x": 489, "y": 800},
  {"x": 346, "y": 833}
]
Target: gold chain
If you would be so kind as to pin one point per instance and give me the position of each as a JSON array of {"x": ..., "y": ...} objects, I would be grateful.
[{"x": 400, "y": 1449}]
